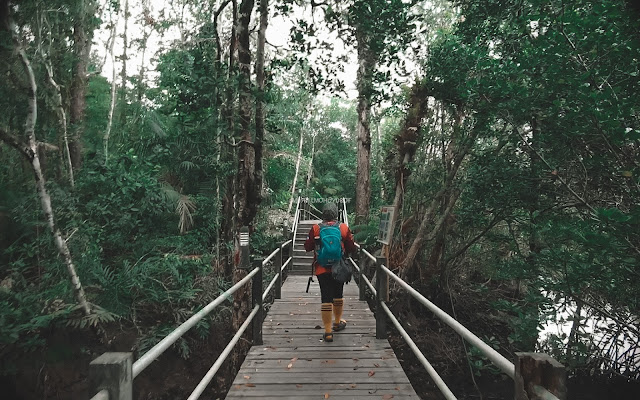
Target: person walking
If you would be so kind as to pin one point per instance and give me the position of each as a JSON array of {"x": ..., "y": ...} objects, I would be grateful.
[{"x": 330, "y": 240}]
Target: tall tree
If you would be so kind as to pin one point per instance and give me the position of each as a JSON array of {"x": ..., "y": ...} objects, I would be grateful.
[{"x": 83, "y": 27}]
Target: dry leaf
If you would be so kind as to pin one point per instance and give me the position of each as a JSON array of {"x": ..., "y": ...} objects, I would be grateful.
[
  {"x": 247, "y": 377},
  {"x": 353, "y": 385},
  {"x": 372, "y": 373},
  {"x": 376, "y": 365},
  {"x": 249, "y": 385},
  {"x": 387, "y": 396},
  {"x": 238, "y": 386},
  {"x": 326, "y": 395},
  {"x": 293, "y": 360},
  {"x": 298, "y": 386}
]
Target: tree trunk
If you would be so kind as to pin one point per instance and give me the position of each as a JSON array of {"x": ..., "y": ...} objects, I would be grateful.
[
  {"x": 30, "y": 151},
  {"x": 421, "y": 236},
  {"x": 246, "y": 197},
  {"x": 246, "y": 205},
  {"x": 295, "y": 177},
  {"x": 260, "y": 103},
  {"x": 82, "y": 35},
  {"x": 112, "y": 104},
  {"x": 123, "y": 72},
  {"x": 310, "y": 170},
  {"x": 366, "y": 63},
  {"x": 62, "y": 117},
  {"x": 406, "y": 146},
  {"x": 227, "y": 231}
]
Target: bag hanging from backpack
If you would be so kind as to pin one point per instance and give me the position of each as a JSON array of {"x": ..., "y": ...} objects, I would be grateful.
[
  {"x": 330, "y": 252},
  {"x": 342, "y": 271}
]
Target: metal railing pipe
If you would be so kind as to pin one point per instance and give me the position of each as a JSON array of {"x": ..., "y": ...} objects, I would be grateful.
[
  {"x": 269, "y": 287},
  {"x": 366, "y": 253},
  {"x": 223, "y": 356},
  {"x": 101, "y": 395},
  {"x": 444, "y": 389},
  {"x": 496, "y": 358},
  {"x": 286, "y": 264},
  {"x": 157, "y": 350},
  {"x": 366, "y": 280},
  {"x": 270, "y": 256}
]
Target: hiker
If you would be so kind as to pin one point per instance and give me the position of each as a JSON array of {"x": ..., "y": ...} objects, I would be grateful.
[{"x": 330, "y": 289}]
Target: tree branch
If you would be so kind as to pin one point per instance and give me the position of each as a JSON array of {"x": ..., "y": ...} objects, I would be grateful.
[{"x": 17, "y": 144}]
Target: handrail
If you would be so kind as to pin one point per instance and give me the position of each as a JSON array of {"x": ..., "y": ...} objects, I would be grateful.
[
  {"x": 364, "y": 277},
  {"x": 270, "y": 256},
  {"x": 444, "y": 389},
  {"x": 157, "y": 350},
  {"x": 345, "y": 217},
  {"x": 223, "y": 356},
  {"x": 101, "y": 395},
  {"x": 496, "y": 358}
]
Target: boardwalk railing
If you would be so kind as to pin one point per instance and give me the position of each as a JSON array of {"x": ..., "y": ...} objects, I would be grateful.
[
  {"x": 535, "y": 376},
  {"x": 111, "y": 375}
]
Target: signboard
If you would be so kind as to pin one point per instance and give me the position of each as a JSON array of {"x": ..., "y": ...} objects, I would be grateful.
[{"x": 385, "y": 230}]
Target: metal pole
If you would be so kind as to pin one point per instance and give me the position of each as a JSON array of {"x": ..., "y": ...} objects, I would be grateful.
[
  {"x": 538, "y": 376},
  {"x": 256, "y": 294},
  {"x": 278, "y": 264},
  {"x": 362, "y": 288},
  {"x": 381, "y": 295},
  {"x": 113, "y": 372}
]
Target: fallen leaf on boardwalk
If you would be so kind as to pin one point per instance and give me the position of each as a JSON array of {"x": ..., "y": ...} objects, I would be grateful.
[
  {"x": 326, "y": 395},
  {"x": 238, "y": 386},
  {"x": 376, "y": 365},
  {"x": 298, "y": 386},
  {"x": 329, "y": 361},
  {"x": 387, "y": 396},
  {"x": 353, "y": 385},
  {"x": 249, "y": 385},
  {"x": 372, "y": 373},
  {"x": 247, "y": 377},
  {"x": 356, "y": 359},
  {"x": 294, "y": 359}
]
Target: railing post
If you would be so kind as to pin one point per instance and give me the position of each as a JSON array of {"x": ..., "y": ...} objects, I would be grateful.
[
  {"x": 256, "y": 294},
  {"x": 113, "y": 371},
  {"x": 278, "y": 264},
  {"x": 362, "y": 286},
  {"x": 381, "y": 318},
  {"x": 537, "y": 376}
]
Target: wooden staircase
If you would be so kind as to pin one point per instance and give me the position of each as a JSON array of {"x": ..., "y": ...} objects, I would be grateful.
[{"x": 301, "y": 262}]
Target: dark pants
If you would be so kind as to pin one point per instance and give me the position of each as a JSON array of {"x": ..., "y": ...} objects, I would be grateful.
[{"x": 329, "y": 288}]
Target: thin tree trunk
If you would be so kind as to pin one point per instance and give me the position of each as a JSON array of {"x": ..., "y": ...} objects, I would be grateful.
[
  {"x": 310, "y": 170},
  {"x": 82, "y": 35},
  {"x": 30, "y": 151},
  {"x": 112, "y": 104},
  {"x": 62, "y": 116},
  {"x": 295, "y": 176},
  {"x": 366, "y": 64},
  {"x": 123, "y": 72},
  {"x": 421, "y": 236},
  {"x": 406, "y": 141},
  {"x": 260, "y": 103}
]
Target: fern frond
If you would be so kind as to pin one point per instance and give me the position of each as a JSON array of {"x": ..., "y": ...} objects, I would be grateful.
[{"x": 184, "y": 208}]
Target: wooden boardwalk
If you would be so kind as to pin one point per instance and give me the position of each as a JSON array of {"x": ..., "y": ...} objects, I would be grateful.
[{"x": 294, "y": 362}]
